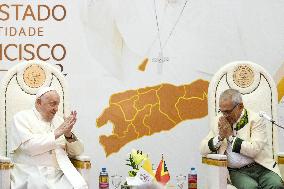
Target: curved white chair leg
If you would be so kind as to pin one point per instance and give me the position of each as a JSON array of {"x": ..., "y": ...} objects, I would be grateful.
[
  {"x": 83, "y": 165},
  {"x": 216, "y": 167},
  {"x": 5, "y": 172}
]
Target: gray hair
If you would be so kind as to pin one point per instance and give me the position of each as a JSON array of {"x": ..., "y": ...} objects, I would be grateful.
[
  {"x": 150, "y": 186},
  {"x": 234, "y": 95}
]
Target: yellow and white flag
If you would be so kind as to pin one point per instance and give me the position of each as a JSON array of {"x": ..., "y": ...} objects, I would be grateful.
[{"x": 144, "y": 175}]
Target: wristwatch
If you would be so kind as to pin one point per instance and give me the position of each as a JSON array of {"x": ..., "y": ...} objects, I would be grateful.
[
  {"x": 231, "y": 139},
  {"x": 69, "y": 138},
  {"x": 220, "y": 139}
]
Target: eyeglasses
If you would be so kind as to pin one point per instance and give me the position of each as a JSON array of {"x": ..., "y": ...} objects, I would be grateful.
[{"x": 227, "y": 112}]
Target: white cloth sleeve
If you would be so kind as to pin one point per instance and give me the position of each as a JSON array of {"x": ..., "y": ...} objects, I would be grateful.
[
  {"x": 23, "y": 136},
  {"x": 216, "y": 142},
  {"x": 38, "y": 144},
  {"x": 75, "y": 148},
  {"x": 252, "y": 147}
]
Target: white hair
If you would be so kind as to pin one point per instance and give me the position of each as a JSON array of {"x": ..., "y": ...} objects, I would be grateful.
[{"x": 234, "y": 95}]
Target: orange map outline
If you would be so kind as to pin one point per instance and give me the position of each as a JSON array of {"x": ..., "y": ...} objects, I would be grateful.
[{"x": 149, "y": 110}]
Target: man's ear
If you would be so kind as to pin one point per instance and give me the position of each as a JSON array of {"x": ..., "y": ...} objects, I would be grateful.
[{"x": 38, "y": 101}]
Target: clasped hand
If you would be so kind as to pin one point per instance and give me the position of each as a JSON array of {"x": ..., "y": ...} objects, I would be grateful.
[
  {"x": 67, "y": 126},
  {"x": 225, "y": 129}
]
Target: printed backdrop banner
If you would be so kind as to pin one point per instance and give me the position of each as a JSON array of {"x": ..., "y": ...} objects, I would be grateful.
[{"x": 138, "y": 71}]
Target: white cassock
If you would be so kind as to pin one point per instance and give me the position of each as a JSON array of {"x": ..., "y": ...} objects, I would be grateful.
[{"x": 41, "y": 162}]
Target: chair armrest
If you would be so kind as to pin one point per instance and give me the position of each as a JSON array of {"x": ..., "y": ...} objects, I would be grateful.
[
  {"x": 280, "y": 162},
  {"x": 280, "y": 158},
  {"x": 5, "y": 163},
  {"x": 81, "y": 162},
  {"x": 215, "y": 160}
]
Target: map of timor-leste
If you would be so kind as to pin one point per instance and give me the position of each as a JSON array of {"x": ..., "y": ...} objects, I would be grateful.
[{"x": 149, "y": 110}]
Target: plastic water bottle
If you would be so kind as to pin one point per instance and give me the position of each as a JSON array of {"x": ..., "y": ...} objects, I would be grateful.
[
  {"x": 103, "y": 179},
  {"x": 192, "y": 179}
]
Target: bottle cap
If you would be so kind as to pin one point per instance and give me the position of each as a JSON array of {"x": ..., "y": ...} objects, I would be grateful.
[
  {"x": 104, "y": 169},
  {"x": 192, "y": 168}
]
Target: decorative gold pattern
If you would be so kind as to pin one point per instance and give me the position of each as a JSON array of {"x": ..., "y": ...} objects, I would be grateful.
[
  {"x": 34, "y": 76},
  {"x": 280, "y": 159},
  {"x": 215, "y": 162},
  {"x": 243, "y": 76},
  {"x": 81, "y": 164},
  {"x": 5, "y": 166}
]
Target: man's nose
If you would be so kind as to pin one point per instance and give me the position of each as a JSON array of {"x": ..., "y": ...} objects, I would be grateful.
[
  {"x": 226, "y": 114},
  {"x": 55, "y": 108}
]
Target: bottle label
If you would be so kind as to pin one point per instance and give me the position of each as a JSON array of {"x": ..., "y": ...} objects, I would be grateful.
[
  {"x": 103, "y": 185},
  {"x": 103, "y": 182},
  {"x": 192, "y": 185},
  {"x": 104, "y": 179},
  {"x": 192, "y": 181}
]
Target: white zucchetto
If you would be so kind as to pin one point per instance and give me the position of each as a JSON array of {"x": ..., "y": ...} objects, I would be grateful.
[{"x": 44, "y": 90}]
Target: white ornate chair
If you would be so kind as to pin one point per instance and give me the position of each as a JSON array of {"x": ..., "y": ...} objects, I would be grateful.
[
  {"x": 17, "y": 92},
  {"x": 259, "y": 94}
]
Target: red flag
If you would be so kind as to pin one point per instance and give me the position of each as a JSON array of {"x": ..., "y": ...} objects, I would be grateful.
[{"x": 162, "y": 173}]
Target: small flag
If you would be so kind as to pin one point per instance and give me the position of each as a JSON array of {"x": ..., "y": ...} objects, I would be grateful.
[
  {"x": 162, "y": 173},
  {"x": 147, "y": 166}
]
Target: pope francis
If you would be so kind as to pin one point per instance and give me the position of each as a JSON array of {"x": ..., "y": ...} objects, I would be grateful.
[{"x": 40, "y": 144}]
